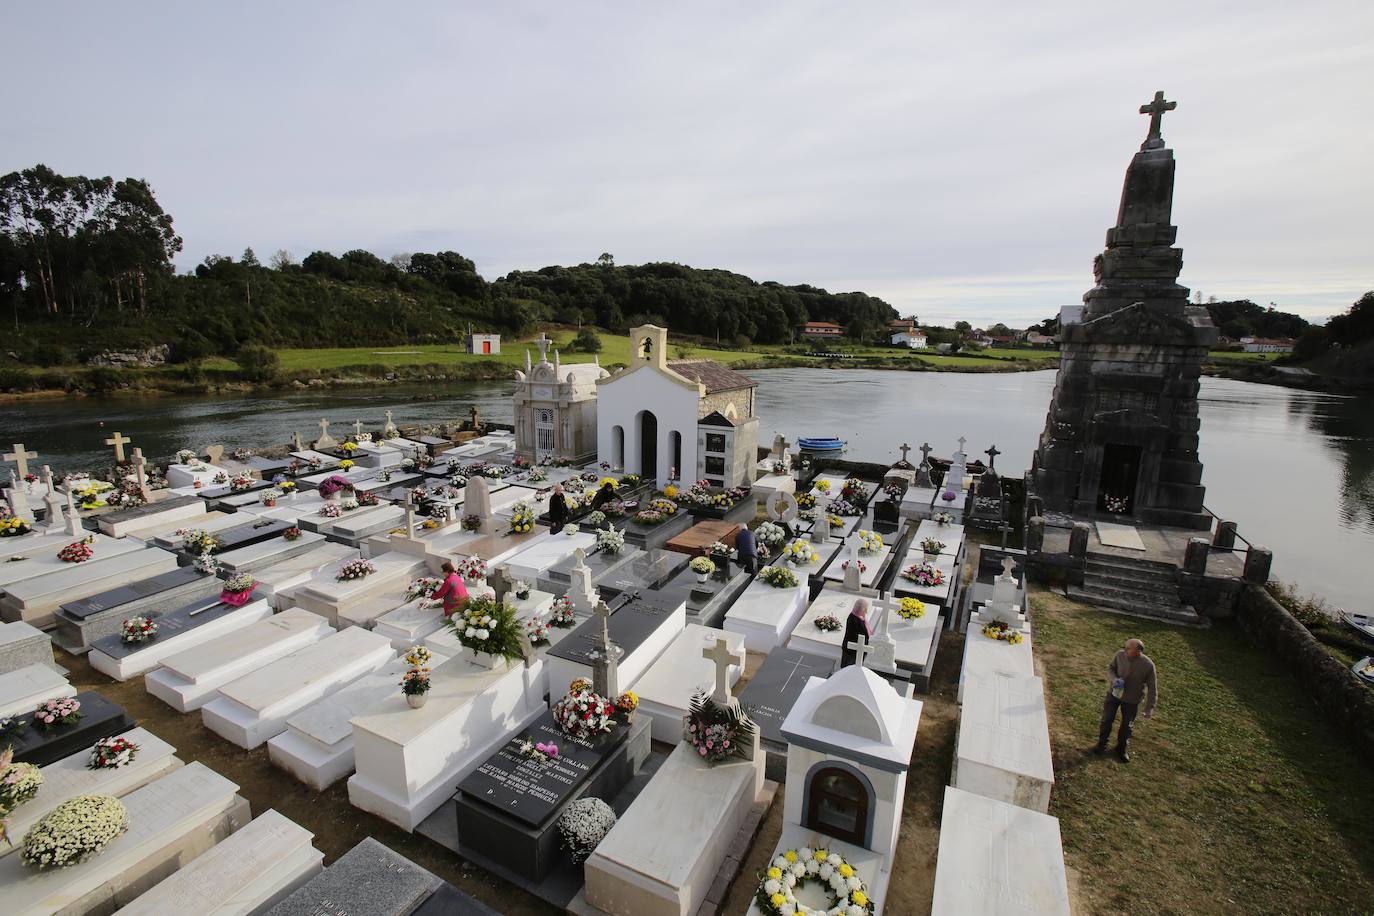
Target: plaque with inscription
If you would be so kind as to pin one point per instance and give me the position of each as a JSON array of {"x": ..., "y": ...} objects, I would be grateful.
[
  {"x": 530, "y": 791},
  {"x": 134, "y": 591},
  {"x": 100, "y": 718},
  {"x": 774, "y": 688},
  {"x": 634, "y": 619}
]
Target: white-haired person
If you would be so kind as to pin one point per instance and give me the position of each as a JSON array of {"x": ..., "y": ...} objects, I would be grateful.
[
  {"x": 1131, "y": 678},
  {"x": 855, "y": 625}
]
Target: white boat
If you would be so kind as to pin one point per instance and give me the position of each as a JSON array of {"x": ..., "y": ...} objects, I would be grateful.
[
  {"x": 1364, "y": 669},
  {"x": 1360, "y": 623}
]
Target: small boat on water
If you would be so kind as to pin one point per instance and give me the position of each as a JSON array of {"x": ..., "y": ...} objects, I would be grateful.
[
  {"x": 1362, "y": 624},
  {"x": 1364, "y": 669},
  {"x": 821, "y": 443}
]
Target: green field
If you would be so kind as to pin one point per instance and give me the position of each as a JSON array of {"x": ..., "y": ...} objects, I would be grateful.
[
  {"x": 1239, "y": 797},
  {"x": 1245, "y": 357}
]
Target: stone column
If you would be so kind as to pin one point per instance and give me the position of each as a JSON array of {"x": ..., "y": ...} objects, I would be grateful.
[
  {"x": 1195, "y": 557},
  {"x": 1225, "y": 537},
  {"x": 1078, "y": 540},
  {"x": 1257, "y": 563},
  {"x": 1035, "y": 535}
]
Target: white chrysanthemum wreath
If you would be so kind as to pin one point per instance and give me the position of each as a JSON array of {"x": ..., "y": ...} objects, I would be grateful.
[{"x": 796, "y": 868}]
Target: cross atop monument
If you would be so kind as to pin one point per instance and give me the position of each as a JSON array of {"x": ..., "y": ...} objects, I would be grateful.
[
  {"x": 925, "y": 452},
  {"x": 543, "y": 343},
  {"x": 605, "y": 656},
  {"x": 723, "y": 658},
  {"x": 904, "y": 448},
  {"x": 501, "y": 583},
  {"x": 1155, "y": 109},
  {"x": 861, "y": 649},
  {"x": 962, "y": 440},
  {"x": 1008, "y": 567},
  {"x": 140, "y": 478},
  {"x": 357, "y": 428},
  {"x": 20, "y": 458},
  {"x": 118, "y": 440},
  {"x": 324, "y": 427},
  {"x": 389, "y": 425},
  {"x": 992, "y": 454},
  {"x": 410, "y": 516}
]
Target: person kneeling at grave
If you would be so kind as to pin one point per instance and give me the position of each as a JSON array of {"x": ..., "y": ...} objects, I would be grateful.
[
  {"x": 747, "y": 551},
  {"x": 453, "y": 592},
  {"x": 855, "y": 626},
  {"x": 1130, "y": 674},
  {"x": 603, "y": 496}
]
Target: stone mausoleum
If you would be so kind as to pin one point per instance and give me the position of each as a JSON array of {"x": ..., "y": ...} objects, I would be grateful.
[
  {"x": 1121, "y": 436},
  {"x": 555, "y": 408}
]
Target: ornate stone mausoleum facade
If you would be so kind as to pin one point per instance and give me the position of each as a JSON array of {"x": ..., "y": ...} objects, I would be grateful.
[
  {"x": 1121, "y": 436},
  {"x": 555, "y": 408}
]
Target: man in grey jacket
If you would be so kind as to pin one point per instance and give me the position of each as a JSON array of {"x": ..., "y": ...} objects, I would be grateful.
[{"x": 1130, "y": 676}]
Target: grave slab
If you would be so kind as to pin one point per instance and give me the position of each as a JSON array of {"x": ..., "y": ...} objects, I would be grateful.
[
  {"x": 40, "y": 556},
  {"x": 942, "y": 593},
  {"x": 325, "y": 595},
  {"x": 770, "y": 695},
  {"x": 189, "y": 679},
  {"x": 873, "y": 565},
  {"x": 765, "y": 616},
  {"x": 996, "y": 858},
  {"x": 190, "y": 625},
  {"x": 166, "y": 537},
  {"x": 99, "y": 719},
  {"x": 641, "y": 626},
  {"x": 23, "y": 644},
  {"x": 531, "y": 562},
  {"x": 69, "y": 777},
  {"x": 1003, "y": 746},
  {"x": 368, "y": 880},
  {"x": 408, "y": 760},
  {"x": 36, "y": 600},
  {"x": 665, "y": 690},
  {"x": 823, "y": 643},
  {"x": 268, "y": 553},
  {"x": 278, "y": 583},
  {"x": 182, "y": 475},
  {"x": 171, "y": 821},
  {"x": 81, "y": 623},
  {"x": 183, "y": 509},
  {"x": 22, "y": 689},
  {"x": 985, "y": 658},
  {"x": 317, "y": 744},
  {"x": 409, "y": 624}
]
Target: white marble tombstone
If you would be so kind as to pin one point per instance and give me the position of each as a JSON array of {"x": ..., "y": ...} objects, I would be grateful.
[
  {"x": 581, "y": 592},
  {"x": 1003, "y": 746}
]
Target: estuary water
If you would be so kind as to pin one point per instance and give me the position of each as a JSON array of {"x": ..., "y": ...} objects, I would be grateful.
[{"x": 1295, "y": 469}]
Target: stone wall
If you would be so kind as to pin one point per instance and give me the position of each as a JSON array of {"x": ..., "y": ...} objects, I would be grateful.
[
  {"x": 1336, "y": 691},
  {"x": 741, "y": 398}
]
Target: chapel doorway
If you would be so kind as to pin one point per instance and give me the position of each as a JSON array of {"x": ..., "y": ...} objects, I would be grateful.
[
  {"x": 1117, "y": 482},
  {"x": 486, "y": 347},
  {"x": 544, "y": 439},
  {"x": 837, "y": 804},
  {"x": 648, "y": 445}
]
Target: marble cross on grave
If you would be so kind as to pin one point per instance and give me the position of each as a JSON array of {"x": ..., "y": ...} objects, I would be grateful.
[
  {"x": 820, "y": 529},
  {"x": 118, "y": 440},
  {"x": 18, "y": 498},
  {"x": 723, "y": 658},
  {"x": 20, "y": 458},
  {"x": 73, "y": 516},
  {"x": 543, "y": 343},
  {"x": 325, "y": 440},
  {"x": 410, "y": 514},
  {"x": 962, "y": 440},
  {"x": 853, "y": 578},
  {"x": 605, "y": 656},
  {"x": 50, "y": 500},
  {"x": 883, "y": 648},
  {"x": 357, "y": 428},
  {"x": 296, "y": 445},
  {"x": 140, "y": 478},
  {"x": 1155, "y": 108},
  {"x": 904, "y": 448},
  {"x": 581, "y": 592},
  {"x": 860, "y": 648}
]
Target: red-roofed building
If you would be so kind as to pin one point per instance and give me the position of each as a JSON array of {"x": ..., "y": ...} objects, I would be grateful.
[{"x": 822, "y": 330}]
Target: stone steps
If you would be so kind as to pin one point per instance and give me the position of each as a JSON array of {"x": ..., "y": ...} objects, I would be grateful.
[
  {"x": 1131, "y": 582},
  {"x": 1133, "y": 563},
  {"x": 1141, "y": 604}
]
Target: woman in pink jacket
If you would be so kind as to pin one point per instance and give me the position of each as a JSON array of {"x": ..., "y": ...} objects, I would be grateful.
[{"x": 453, "y": 592}]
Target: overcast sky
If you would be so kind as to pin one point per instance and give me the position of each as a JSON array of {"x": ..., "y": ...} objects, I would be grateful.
[{"x": 959, "y": 166}]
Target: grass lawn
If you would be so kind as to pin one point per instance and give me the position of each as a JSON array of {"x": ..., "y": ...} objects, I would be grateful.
[
  {"x": 1238, "y": 797},
  {"x": 1245, "y": 357}
]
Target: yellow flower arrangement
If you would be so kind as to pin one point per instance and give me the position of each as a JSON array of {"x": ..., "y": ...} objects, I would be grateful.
[
  {"x": 859, "y": 898},
  {"x": 350, "y": 447},
  {"x": 794, "y": 869},
  {"x": 791, "y": 856},
  {"x": 911, "y": 609},
  {"x": 615, "y": 484},
  {"x": 823, "y": 486},
  {"x": 670, "y": 491},
  {"x": 345, "y": 464},
  {"x": 429, "y": 524},
  {"x": 846, "y": 870}
]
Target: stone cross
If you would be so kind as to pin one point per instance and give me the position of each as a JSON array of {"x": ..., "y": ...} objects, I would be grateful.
[
  {"x": 962, "y": 440},
  {"x": 820, "y": 529},
  {"x": 723, "y": 658},
  {"x": 389, "y": 424},
  {"x": 1003, "y": 605},
  {"x": 925, "y": 452},
  {"x": 296, "y": 445},
  {"x": 1155, "y": 109},
  {"x": 992, "y": 454},
  {"x": 853, "y": 579},
  {"x": 904, "y": 448},
  {"x": 501, "y": 583},
  {"x": 325, "y": 440},
  {"x": 779, "y": 446},
  {"x": 20, "y": 458},
  {"x": 581, "y": 592},
  {"x": 357, "y": 428},
  {"x": 410, "y": 515},
  {"x": 50, "y": 500},
  {"x": 73, "y": 516},
  {"x": 118, "y": 440},
  {"x": 883, "y": 647},
  {"x": 140, "y": 479},
  {"x": 605, "y": 657},
  {"x": 18, "y": 498},
  {"x": 543, "y": 343},
  {"x": 861, "y": 649}
]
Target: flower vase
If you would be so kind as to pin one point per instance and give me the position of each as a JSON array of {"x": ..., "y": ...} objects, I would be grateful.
[
  {"x": 703, "y": 578},
  {"x": 269, "y": 503},
  {"x": 486, "y": 659},
  {"x": 236, "y": 599},
  {"x": 930, "y": 557},
  {"x": 416, "y": 700}
]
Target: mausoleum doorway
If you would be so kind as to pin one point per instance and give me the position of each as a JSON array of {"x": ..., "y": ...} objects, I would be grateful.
[
  {"x": 648, "y": 445},
  {"x": 838, "y": 803},
  {"x": 1120, "y": 474}
]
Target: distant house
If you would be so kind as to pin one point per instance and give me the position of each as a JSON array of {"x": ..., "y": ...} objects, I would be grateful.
[
  {"x": 902, "y": 324},
  {"x": 822, "y": 330},
  {"x": 484, "y": 344},
  {"x": 1268, "y": 344},
  {"x": 1036, "y": 339},
  {"x": 913, "y": 338},
  {"x": 1002, "y": 340}
]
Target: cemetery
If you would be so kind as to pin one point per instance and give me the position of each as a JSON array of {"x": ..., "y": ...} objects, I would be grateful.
[{"x": 728, "y": 679}]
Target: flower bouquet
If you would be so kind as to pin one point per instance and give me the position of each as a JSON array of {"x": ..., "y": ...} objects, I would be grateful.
[
  {"x": 795, "y": 869},
  {"x": 716, "y": 732},
  {"x": 207, "y": 564},
  {"x": 330, "y": 510},
  {"x": 582, "y": 713},
  {"x": 631, "y": 480},
  {"x": 779, "y": 577},
  {"x": 583, "y": 825},
  {"x": 927, "y": 574},
  {"x": 112, "y": 753},
  {"x": 863, "y": 567},
  {"x": 414, "y": 686},
  {"x": 368, "y": 499},
  {"x": 238, "y": 589},
  {"x": 894, "y": 492},
  {"x": 999, "y": 630},
  {"x": 291, "y": 534},
  {"x": 417, "y": 656},
  {"x": 703, "y": 567},
  {"x": 870, "y": 542},
  {"x": 220, "y": 478},
  {"x": 522, "y": 589},
  {"x": 570, "y": 529},
  {"x": 799, "y": 552},
  {"x": 472, "y": 522},
  {"x": 844, "y": 507},
  {"x": 270, "y": 496},
  {"x": 562, "y": 615},
  {"x": 77, "y": 552},
  {"x": 627, "y": 702},
  {"x": 422, "y": 588},
  {"x": 74, "y": 831},
  {"x": 827, "y": 623},
  {"x": 349, "y": 448},
  {"x": 822, "y": 486},
  {"x": 1114, "y": 504},
  {"x": 199, "y": 541},
  {"x": 948, "y": 496},
  {"x": 942, "y": 518},
  {"x": 137, "y": 630},
  {"x": 595, "y": 519},
  {"x": 770, "y": 535},
  {"x": 13, "y": 527},
  {"x": 473, "y": 569},
  {"x": 241, "y": 482},
  {"x": 186, "y": 456},
  {"x": 334, "y": 484},
  {"x": 911, "y": 609},
  {"x": 610, "y": 541},
  {"x": 854, "y": 490},
  {"x": 806, "y": 501},
  {"x": 57, "y": 711},
  {"x": 354, "y": 570},
  {"x": 537, "y": 751},
  {"x": 536, "y": 631},
  {"x": 19, "y": 782},
  {"x": 932, "y": 547},
  {"x": 484, "y": 626},
  {"x": 835, "y": 521},
  {"x": 522, "y": 517},
  {"x": 348, "y": 503}
]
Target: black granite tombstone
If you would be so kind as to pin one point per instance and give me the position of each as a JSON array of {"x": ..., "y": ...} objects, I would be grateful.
[
  {"x": 149, "y": 509},
  {"x": 41, "y": 746},
  {"x": 449, "y": 901},
  {"x": 248, "y": 534},
  {"x": 774, "y": 688},
  {"x": 634, "y": 618},
  {"x": 172, "y": 623},
  {"x": 134, "y": 591}
]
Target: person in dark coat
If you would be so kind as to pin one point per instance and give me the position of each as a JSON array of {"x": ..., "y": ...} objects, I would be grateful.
[
  {"x": 604, "y": 495},
  {"x": 558, "y": 508},
  {"x": 855, "y": 625},
  {"x": 747, "y": 551}
]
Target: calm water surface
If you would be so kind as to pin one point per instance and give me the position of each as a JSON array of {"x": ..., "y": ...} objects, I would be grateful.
[{"x": 1295, "y": 469}]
